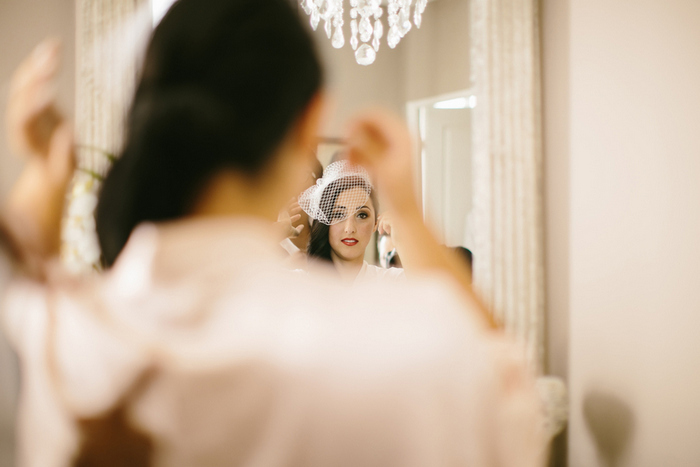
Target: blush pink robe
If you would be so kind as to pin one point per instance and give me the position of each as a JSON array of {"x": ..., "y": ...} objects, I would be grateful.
[{"x": 245, "y": 369}]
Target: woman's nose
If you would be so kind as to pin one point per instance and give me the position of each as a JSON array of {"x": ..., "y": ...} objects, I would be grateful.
[{"x": 350, "y": 225}]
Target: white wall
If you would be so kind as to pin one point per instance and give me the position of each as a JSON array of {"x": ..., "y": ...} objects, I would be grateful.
[{"x": 622, "y": 126}]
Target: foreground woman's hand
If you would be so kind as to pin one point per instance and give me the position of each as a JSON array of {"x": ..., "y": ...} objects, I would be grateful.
[
  {"x": 37, "y": 131},
  {"x": 381, "y": 142},
  {"x": 32, "y": 115},
  {"x": 384, "y": 224}
]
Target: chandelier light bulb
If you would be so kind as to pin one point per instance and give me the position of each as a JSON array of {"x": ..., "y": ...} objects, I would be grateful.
[{"x": 366, "y": 28}]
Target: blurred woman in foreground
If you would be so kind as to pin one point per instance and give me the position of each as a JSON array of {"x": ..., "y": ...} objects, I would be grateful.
[{"x": 198, "y": 347}]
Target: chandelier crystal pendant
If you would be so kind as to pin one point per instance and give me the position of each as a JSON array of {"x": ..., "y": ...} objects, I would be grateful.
[{"x": 366, "y": 28}]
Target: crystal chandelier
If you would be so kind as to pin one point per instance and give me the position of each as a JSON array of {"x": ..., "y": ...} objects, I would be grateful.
[{"x": 362, "y": 31}]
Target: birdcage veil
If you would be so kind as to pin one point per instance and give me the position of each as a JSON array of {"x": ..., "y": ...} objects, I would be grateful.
[{"x": 319, "y": 200}]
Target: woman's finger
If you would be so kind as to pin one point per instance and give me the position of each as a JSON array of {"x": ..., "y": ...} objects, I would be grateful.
[
  {"x": 365, "y": 146},
  {"x": 385, "y": 228},
  {"x": 31, "y": 116},
  {"x": 40, "y": 66},
  {"x": 294, "y": 232},
  {"x": 33, "y": 84},
  {"x": 380, "y": 141}
]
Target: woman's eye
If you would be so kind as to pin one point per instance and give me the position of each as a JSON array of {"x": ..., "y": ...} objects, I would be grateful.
[
  {"x": 363, "y": 215},
  {"x": 337, "y": 215}
]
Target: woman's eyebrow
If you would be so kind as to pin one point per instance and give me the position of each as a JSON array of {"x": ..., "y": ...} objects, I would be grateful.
[{"x": 363, "y": 207}]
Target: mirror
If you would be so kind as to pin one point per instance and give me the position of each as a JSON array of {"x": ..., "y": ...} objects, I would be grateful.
[
  {"x": 430, "y": 65},
  {"x": 463, "y": 48}
]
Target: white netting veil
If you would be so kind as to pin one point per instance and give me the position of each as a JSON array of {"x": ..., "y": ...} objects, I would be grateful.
[{"x": 342, "y": 177}]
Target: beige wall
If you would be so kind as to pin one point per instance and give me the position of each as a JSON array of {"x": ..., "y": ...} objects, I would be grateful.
[
  {"x": 436, "y": 56},
  {"x": 353, "y": 87},
  {"x": 622, "y": 143}
]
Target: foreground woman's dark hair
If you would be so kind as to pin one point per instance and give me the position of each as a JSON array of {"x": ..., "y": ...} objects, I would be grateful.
[{"x": 222, "y": 84}]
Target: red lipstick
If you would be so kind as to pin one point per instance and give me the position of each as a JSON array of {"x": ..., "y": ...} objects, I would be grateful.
[{"x": 350, "y": 241}]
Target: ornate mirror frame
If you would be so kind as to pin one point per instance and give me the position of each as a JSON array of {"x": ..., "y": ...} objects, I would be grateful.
[{"x": 508, "y": 168}]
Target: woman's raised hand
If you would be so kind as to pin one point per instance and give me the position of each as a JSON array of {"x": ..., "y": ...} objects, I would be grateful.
[
  {"x": 37, "y": 130},
  {"x": 380, "y": 141},
  {"x": 288, "y": 220},
  {"x": 384, "y": 224},
  {"x": 32, "y": 116}
]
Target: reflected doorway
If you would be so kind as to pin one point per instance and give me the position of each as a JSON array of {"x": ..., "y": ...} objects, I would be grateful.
[{"x": 442, "y": 129}]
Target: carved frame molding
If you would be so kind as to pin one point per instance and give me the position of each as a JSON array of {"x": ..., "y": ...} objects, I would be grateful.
[{"x": 508, "y": 168}]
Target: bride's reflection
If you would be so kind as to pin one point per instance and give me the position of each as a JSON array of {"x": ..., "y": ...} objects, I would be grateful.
[
  {"x": 426, "y": 79},
  {"x": 345, "y": 211}
]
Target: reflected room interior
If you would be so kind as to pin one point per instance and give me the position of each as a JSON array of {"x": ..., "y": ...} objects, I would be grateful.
[{"x": 426, "y": 79}]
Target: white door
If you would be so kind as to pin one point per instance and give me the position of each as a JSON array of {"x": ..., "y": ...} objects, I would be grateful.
[{"x": 446, "y": 172}]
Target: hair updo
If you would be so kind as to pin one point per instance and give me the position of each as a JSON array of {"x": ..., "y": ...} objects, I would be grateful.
[{"x": 222, "y": 84}]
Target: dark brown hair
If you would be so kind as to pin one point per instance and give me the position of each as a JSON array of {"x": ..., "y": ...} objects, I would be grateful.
[{"x": 223, "y": 83}]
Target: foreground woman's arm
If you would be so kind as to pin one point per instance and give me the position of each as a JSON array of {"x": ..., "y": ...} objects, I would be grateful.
[
  {"x": 31, "y": 219},
  {"x": 381, "y": 142}
]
